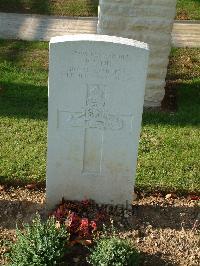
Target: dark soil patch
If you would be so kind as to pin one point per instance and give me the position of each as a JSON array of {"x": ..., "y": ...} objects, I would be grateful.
[
  {"x": 169, "y": 102},
  {"x": 164, "y": 229}
]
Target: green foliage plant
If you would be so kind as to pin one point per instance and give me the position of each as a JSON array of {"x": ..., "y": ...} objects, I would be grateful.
[
  {"x": 41, "y": 244},
  {"x": 113, "y": 251}
]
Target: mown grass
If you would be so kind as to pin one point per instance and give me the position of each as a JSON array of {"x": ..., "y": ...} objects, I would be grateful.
[
  {"x": 23, "y": 109},
  {"x": 186, "y": 9},
  {"x": 57, "y": 7},
  {"x": 169, "y": 146}
]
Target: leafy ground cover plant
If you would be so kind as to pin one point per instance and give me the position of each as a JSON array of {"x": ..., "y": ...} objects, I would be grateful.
[
  {"x": 41, "y": 244},
  {"x": 113, "y": 251}
]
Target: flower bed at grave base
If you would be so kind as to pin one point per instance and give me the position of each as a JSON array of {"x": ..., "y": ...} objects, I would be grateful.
[
  {"x": 81, "y": 219},
  {"x": 65, "y": 236},
  {"x": 176, "y": 221},
  {"x": 85, "y": 218}
]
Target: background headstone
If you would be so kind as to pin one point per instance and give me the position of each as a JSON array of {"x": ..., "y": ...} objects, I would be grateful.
[
  {"x": 148, "y": 21},
  {"x": 96, "y": 95}
]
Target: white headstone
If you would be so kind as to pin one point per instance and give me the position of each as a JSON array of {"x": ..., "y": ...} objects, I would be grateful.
[{"x": 96, "y": 96}]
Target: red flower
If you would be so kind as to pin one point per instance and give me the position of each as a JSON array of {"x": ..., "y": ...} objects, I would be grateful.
[
  {"x": 73, "y": 221},
  {"x": 93, "y": 225},
  {"x": 84, "y": 227},
  {"x": 84, "y": 222}
]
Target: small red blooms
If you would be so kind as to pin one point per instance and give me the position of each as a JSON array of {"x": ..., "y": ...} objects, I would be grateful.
[
  {"x": 73, "y": 221},
  {"x": 83, "y": 229},
  {"x": 73, "y": 215},
  {"x": 84, "y": 223},
  {"x": 93, "y": 225}
]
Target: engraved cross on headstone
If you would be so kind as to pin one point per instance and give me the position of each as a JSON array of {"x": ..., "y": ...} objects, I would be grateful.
[{"x": 95, "y": 120}]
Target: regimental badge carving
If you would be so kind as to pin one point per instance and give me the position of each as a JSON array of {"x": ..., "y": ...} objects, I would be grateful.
[
  {"x": 95, "y": 106},
  {"x": 94, "y": 113}
]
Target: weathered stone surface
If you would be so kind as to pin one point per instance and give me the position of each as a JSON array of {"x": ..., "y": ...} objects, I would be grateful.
[
  {"x": 186, "y": 34},
  {"x": 96, "y": 96},
  {"x": 148, "y": 21}
]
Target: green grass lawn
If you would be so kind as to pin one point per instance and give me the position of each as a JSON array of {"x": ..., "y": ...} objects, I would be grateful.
[
  {"x": 23, "y": 110},
  {"x": 169, "y": 146},
  {"x": 49, "y": 7},
  {"x": 186, "y": 9}
]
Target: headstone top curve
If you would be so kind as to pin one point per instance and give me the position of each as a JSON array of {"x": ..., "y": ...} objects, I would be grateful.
[{"x": 99, "y": 38}]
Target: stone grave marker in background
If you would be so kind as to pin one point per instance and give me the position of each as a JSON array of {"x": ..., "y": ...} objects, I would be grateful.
[
  {"x": 96, "y": 96},
  {"x": 148, "y": 21}
]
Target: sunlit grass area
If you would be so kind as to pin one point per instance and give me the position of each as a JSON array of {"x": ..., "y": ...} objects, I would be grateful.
[
  {"x": 169, "y": 146},
  {"x": 23, "y": 108},
  {"x": 188, "y": 9}
]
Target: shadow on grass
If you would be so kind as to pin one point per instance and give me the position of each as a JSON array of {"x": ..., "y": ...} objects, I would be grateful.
[
  {"x": 30, "y": 101},
  {"x": 15, "y": 51},
  {"x": 49, "y": 7},
  {"x": 188, "y": 108},
  {"x": 42, "y": 7},
  {"x": 23, "y": 101},
  {"x": 35, "y": 6}
]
